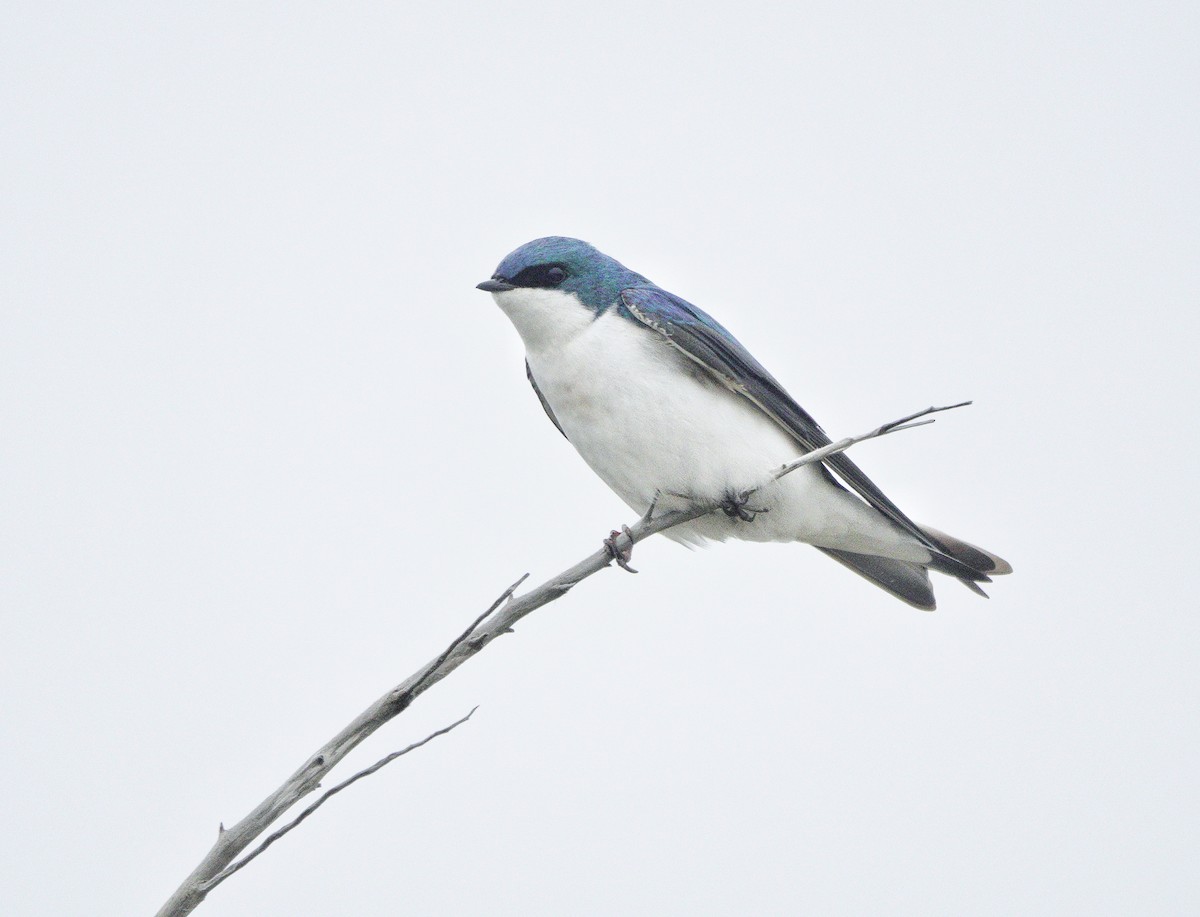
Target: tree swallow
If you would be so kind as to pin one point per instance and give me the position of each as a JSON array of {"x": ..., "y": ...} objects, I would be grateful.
[{"x": 669, "y": 409}]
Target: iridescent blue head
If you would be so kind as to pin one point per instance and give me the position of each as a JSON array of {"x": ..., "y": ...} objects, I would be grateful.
[{"x": 569, "y": 265}]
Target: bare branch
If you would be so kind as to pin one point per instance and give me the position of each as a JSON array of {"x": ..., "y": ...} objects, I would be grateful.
[
  {"x": 405, "y": 698},
  {"x": 232, "y": 841},
  {"x": 904, "y": 423},
  {"x": 499, "y": 619},
  {"x": 365, "y": 772}
]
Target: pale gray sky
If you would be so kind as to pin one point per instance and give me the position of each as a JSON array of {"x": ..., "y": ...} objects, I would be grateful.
[{"x": 264, "y": 450}]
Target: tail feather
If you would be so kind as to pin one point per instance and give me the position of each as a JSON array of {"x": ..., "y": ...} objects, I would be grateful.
[
  {"x": 909, "y": 581},
  {"x": 974, "y": 557},
  {"x": 904, "y": 579}
]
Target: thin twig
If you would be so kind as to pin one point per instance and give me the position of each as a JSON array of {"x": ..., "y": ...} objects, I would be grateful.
[
  {"x": 403, "y": 700},
  {"x": 904, "y": 423},
  {"x": 366, "y": 772}
]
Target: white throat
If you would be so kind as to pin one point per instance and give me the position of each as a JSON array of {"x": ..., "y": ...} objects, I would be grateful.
[{"x": 545, "y": 319}]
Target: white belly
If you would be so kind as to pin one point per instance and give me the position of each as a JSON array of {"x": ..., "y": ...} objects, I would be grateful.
[{"x": 645, "y": 423}]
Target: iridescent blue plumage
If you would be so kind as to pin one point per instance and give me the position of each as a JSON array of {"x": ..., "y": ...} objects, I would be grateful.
[
  {"x": 592, "y": 275},
  {"x": 600, "y": 281}
]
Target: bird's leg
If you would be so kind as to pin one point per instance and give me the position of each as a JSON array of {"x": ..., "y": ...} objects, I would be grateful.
[
  {"x": 734, "y": 506},
  {"x": 649, "y": 514},
  {"x": 621, "y": 555},
  {"x": 658, "y": 495}
]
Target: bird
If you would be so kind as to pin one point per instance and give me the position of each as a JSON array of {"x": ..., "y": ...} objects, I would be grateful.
[{"x": 671, "y": 411}]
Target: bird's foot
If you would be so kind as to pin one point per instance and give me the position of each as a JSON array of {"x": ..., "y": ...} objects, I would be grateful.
[
  {"x": 734, "y": 506},
  {"x": 621, "y": 555}
]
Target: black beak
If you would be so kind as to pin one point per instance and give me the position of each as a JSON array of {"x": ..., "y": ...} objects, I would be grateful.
[{"x": 494, "y": 286}]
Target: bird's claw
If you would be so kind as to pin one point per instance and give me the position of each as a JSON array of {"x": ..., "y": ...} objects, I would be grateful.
[
  {"x": 734, "y": 506},
  {"x": 621, "y": 555}
]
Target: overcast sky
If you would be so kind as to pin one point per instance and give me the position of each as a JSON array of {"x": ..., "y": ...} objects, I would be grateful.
[{"x": 264, "y": 450}]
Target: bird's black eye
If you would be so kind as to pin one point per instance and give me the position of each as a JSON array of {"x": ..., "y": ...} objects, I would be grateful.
[{"x": 556, "y": 275}]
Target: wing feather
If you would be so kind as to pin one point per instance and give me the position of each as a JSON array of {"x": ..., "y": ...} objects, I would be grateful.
[
  {"x": 545, "y": 404},
  {"x": 702, "y": 339}
]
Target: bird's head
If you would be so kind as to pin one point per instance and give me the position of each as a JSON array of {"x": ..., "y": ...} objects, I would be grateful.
[{"x": 564, "y": 265}]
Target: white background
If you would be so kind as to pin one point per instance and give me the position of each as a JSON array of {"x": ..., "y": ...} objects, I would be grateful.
[{"x": 265, "y": 450}]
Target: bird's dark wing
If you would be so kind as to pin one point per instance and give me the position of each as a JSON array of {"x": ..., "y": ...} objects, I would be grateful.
[
  {"x": 542, "y": 399},
  {"x": 702, "y": 339}
]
